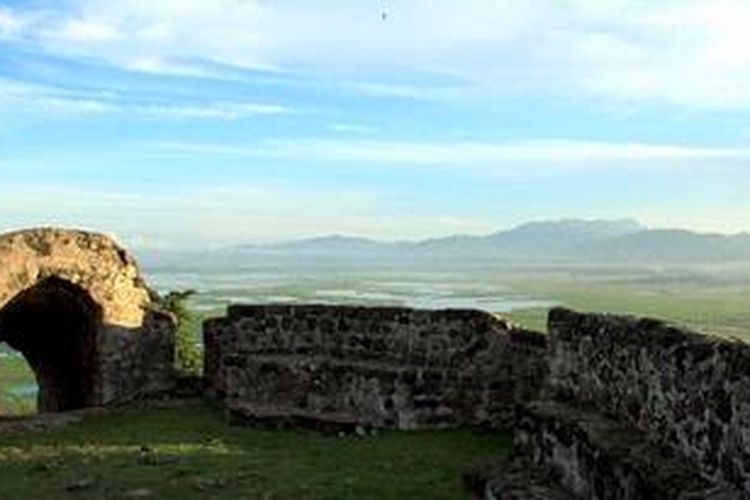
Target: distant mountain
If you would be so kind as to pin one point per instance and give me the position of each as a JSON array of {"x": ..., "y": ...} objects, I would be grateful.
[
  {"x": 568, "y": 239},
  {"x": 671, "y": 245},
  {"x": 335, "y": 244},
  {"x": 551, "y": 239},
  {"x": 572, "y": 230}
]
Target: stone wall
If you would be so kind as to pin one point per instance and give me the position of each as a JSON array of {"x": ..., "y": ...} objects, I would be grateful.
[
  {"x": 378, "y": 367},
  {"x": 75, "y": 305},
  {"x": 684, "y": 391},
  {"x": 136, "y": 363},
  {"x": 591, "y": 456}
]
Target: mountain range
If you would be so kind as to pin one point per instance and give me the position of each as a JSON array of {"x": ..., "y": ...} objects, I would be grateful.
[{"x": 617, "y": 240}]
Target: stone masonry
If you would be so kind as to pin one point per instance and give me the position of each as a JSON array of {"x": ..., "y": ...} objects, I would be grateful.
[
  {"x": 633, "y": 409},
  {"x": 74, "y": 304},
  {"x": 686, "y": 391},
  {"x": 374, "y": 367}
]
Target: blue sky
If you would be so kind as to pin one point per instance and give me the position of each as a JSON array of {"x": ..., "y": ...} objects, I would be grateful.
[{"x": 195, "y": 123}]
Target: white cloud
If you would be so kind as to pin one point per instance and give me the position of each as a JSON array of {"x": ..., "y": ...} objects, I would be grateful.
[
  {"x": 353, "y": 128},
  {"x": 24, "y": 97},
  {"x": 10, "y": 23},
  {"x": 510, "y": 157},
  {"x": 75, "y": 106},
  {"x": 154, "y": 35},
  {"x": 689, "y": 53},
  {"x": 76, "y": 31},
  {"x": 421, "y": 92},
  {"x": 158, "y": 66},
  {"x": 213, "y": 110},
  {"x": 684, "y": 53}
]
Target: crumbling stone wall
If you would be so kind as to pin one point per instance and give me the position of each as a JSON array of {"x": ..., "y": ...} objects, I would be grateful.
[
  {"x": 379, "y": 367},
  {"x": 684, "y": 391},
  {"x": 70, "y": 299}
]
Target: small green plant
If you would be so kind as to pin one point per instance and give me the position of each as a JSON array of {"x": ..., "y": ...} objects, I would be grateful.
[{"x": 188, "y": 354}]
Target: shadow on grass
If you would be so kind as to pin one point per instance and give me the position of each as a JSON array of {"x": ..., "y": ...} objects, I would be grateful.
[{"x": 189, "y": 452}]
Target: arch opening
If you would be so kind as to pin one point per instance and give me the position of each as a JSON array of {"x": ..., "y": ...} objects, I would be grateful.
[{"x": 54, "y": 324}]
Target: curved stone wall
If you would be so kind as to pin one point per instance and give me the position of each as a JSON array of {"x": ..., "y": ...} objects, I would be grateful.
[
  {"x": 682, "y": 390},
  {"x": 378, "y": 367},
  {"x": 61, "y": 288}
]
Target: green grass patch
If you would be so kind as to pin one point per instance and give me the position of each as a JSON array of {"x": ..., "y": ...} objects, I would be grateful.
[
  {"x": 14, "y": 373},
  {"x": 189, "y": 452},
  {"x": 716, "y": 311}
]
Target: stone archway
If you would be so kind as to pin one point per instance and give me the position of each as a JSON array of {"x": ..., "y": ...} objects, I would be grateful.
[
  {"x": 54, "y": 324},
  {"x": 75, "y": 305}
]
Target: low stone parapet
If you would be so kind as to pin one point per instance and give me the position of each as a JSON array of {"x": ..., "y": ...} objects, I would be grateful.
[
  {"x": 561, "y": 452},
  {"x": 681, "y": 389},
  {"x": 595, "y": 457},
  {"x": 388, "y": 367}
]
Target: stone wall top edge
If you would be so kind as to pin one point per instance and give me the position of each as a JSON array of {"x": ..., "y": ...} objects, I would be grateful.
[
  {"x": 528, "y": 337},
  {"x": 567, "y": 324},
  {"x": 31, "y": 239},
  {"x": 248, "y": 310},
  {"x": 215, "y": 322},
  {"x": 55, "y": 231}
]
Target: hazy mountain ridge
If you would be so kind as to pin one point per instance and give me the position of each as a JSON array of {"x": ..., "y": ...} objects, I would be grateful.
[
  {"x": 673, "y": 245},
  {"x": 569, "y": 239}
]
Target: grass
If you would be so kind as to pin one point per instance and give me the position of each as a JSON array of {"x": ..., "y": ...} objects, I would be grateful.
[
  {"x": 189, "y": 452},
  {"x": 14, "y": 372},
  {"x": 722, "y": 311}
]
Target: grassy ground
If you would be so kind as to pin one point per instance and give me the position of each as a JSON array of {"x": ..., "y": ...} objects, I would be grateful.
[
  {"x": 189, "y": 452},
  {"x": 712, "y": 309},
  {"x": 14, "y": 372}
]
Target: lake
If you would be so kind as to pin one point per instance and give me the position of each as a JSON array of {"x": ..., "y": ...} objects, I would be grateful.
[{"x": 216, "y": 289}]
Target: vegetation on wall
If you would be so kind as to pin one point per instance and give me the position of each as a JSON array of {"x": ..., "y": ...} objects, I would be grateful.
[{"x": 188, "y": 353}]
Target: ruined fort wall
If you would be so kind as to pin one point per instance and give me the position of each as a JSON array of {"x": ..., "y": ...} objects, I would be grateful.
[
  {"x": 132, "y": 352},
  {"x": 136, "y": 363},
  {"x": 382, "y": 367},
  {"x": 684, "y": 390}
]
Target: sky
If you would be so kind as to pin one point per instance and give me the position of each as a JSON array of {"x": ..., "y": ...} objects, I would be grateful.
[{"x": 195, "y": 123}]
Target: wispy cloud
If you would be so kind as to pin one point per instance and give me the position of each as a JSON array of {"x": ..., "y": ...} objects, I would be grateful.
[
  {"x": 29, "y": 97},
  {"x": 87, "y": 32},
  {"x": 25, "y": 97},
  {"x": 519, "y": 156},
  {"x": 151, "y": 35},
  {"x": 354, "y": 128},
  {"x": 689, "y": 53},
  {"x": 423, "y": 92},
  {"x": 11, "y": 24},
  {"x": 213, "y": 110}
]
